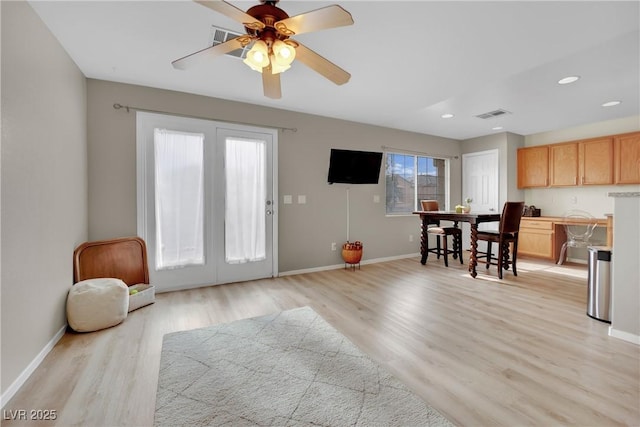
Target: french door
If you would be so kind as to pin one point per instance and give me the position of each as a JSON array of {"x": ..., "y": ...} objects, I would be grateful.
[{"x": 206, "y": 193}]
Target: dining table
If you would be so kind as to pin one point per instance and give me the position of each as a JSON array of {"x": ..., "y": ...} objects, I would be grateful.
[{"x": 473, "y": 218}]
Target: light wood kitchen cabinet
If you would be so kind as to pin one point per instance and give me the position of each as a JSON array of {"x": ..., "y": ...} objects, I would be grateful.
[
  {"x": 543, "y": 237},
  {"x": 533, "y": 167},
  {"x": 563, "y": 170},
  {"x": 587, "y": 162},
  {"x": 606, "y": 160},
  {"x": 627, "y": 158},
  {"x": 537, "y": 238},
  {"x": 595, "y": 161}
]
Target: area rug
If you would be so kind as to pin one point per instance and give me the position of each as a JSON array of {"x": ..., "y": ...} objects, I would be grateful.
[{"x": 286, "y": 369}]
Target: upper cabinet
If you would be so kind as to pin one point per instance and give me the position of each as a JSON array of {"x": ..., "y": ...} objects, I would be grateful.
[
  {"x": 627, "y": 158},
  {"x": 563, "y": 168},
  {"x": 597, "y": 161},
  {"x": 533, "y": 167},
  {"x": 588, "y": 162}
]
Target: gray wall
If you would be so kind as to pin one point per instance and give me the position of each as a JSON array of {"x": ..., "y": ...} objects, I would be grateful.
[
  {"x": 514, "y": 141},
  {"x": 625, "y": 286},
  {"x": 305, "y": 231},
  {"x": 44, "y": 184}
]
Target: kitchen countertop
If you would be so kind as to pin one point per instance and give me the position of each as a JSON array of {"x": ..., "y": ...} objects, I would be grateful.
[{"x": 625, "y": 194}]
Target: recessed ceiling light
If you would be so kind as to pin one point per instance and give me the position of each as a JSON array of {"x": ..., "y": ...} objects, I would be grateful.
[
  {"x": 567, "y": 80},
  {"x": 497, "y": 128},
  {"x": 611, "y": 103},
  {"x": 447, "y": 116}
]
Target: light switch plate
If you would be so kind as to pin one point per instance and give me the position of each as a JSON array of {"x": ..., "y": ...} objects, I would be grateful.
[
  {"x": 376, "y": 198},
  {"x": 302, "y": 199},
  {"x": 287, "y": 200}
]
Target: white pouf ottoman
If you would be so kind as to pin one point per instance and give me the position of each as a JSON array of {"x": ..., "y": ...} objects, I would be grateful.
[{"x": 95, "y": 304}]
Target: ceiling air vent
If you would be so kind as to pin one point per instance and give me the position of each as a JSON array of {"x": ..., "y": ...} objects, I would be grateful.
[
  {"x": 221, "y": 35},
  {"x": 492, "y": 114}
]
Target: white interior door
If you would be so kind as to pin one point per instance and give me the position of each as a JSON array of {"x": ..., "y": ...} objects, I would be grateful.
[
  {"x": 480, "y": 172},
  {"x": 205, "y": 201}
]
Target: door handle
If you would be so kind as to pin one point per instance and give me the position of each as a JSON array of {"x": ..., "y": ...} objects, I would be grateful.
[{"x": 269, "y": 212}]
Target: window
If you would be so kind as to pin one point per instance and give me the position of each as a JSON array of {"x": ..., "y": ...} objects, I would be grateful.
[{"x": 410, "y": 178}]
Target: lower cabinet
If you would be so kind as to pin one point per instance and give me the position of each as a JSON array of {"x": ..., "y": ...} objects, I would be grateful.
[
  {"x": 543, "y": 237},
  {"x": 540, "y": 238}
]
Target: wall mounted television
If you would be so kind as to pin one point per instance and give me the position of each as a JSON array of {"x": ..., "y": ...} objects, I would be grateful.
[{"x": 354, "y": 167}]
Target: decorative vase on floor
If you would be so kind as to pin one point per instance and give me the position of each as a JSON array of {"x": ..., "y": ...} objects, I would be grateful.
[{"x": 352, "y": 252}]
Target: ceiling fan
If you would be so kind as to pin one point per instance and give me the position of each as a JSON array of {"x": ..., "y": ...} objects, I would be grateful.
[{"x": 269, "y": 28}]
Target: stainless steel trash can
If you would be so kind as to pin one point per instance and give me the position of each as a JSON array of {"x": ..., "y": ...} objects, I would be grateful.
[{"x": 599, "y": 280}]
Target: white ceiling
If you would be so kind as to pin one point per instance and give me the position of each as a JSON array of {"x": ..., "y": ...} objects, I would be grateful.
[{"x": 410, "y": 61}]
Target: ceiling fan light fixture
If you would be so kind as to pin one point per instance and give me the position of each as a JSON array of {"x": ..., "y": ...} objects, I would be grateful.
[
  {"x": 283, "y": 53},
  {"x": 258, "y": 56},
  {"x": 276, "y": 67},
  {"x": 268, "y": 27}
]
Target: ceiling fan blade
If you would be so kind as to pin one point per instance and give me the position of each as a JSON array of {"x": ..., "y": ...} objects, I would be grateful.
[
  {"x": 211, "y": 52},
  {"x": 321, "y": 65},
  {"x": 271, "y": 84},
  {"x": 319, "y": 19},
  {"x": 232, "y": 12}
]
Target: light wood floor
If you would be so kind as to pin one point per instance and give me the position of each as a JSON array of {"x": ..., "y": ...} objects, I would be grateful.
[{"x": 484, "y": 352}]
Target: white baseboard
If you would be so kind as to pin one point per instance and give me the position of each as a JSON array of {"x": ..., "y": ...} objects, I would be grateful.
[
  {"x": 294, "y": 272},
  {"x": 24, "y": 376},
  {"x": 337, "y": 266},
  {"x": 626, "y": 336}
]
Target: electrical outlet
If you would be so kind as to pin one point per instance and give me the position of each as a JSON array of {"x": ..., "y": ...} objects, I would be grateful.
[
  {"x": 333, "y": 246},
  {"x": 411, "y": 237},
  {"x": 376, "y": 198},
  {"x": 574, "y": 200}
]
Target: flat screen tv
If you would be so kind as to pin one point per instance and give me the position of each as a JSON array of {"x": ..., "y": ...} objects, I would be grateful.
[{"x": 354, "y": 167}]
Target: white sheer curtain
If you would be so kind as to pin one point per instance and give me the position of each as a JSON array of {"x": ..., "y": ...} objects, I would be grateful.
[
  {"x": 179, "y": 179},
  {"x": 246, "y": 190}
]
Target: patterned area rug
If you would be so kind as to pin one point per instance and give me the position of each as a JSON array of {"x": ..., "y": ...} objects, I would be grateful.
[{"x": 286, "y": 369}]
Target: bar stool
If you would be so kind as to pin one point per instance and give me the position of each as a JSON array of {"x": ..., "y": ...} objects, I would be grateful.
[{"x": 441, "y": 234}]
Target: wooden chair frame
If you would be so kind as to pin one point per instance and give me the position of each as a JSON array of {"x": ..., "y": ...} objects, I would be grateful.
[
  {"x": 441, "y": 233},
  {"x": 506, "y": 236}
]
